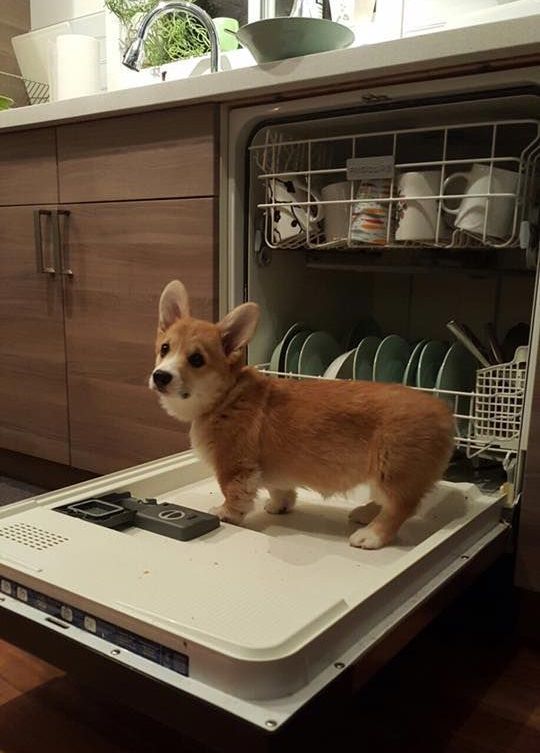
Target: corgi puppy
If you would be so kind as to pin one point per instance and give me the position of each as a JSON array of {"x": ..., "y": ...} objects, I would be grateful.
[{"x": 329, "y": 436}]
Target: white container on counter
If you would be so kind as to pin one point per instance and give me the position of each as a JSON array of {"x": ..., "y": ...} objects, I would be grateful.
[{"x": 73, "y": 66}]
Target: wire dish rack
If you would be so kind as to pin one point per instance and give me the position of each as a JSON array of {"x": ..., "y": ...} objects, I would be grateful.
[
  {"x": 488, "y": 419},
  {"x": 454, "y": 186},
  {"x": 37, "y": 92}
]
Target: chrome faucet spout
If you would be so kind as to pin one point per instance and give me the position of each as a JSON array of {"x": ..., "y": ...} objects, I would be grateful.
[{"x": 134, "y": 54}]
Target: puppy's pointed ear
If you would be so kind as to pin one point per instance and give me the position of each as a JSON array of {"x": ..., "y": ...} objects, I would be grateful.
[
  {"x": 173, "y": 304},
  {"x": 238, "y": 327}
]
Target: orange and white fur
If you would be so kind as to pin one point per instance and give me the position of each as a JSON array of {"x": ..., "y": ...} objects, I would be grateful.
[{"x": 281, "y": 434}]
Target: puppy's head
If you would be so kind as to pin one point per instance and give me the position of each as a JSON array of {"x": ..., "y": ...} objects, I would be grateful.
[{"x": 197, "y": 362}]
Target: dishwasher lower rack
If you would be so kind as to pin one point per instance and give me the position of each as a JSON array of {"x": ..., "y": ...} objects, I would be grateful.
[
  {"x": 470, "y": 185},
  {"x": 488, "y": 418}
]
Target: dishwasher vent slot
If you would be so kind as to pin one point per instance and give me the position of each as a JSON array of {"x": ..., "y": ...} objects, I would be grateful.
[
  {"x": 31, "y": 536},
  {"x": 456, "y": 186}
]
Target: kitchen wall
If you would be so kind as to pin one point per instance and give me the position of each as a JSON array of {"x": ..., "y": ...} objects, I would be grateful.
[
  {"x": 47, "y": 12},
  {"x": 14, "y": 19}
]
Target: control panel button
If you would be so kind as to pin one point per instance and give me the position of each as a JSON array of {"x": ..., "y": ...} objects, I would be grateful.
[{"x": 171, "y": 514}]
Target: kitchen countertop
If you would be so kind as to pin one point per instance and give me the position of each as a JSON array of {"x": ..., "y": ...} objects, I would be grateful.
[{"x": 506, "y": 43}]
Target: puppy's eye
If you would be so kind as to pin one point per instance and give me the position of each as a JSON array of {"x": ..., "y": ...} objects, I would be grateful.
[
  {"x": 196, "y": 360},
  {"x": 164, "y": 349}
]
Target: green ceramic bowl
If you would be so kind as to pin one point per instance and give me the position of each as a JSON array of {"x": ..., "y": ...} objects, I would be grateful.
[
  {"x": 6, "y": 102},
  {"x": 281, "y": 38}
]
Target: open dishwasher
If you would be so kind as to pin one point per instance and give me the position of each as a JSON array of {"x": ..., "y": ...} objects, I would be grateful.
[{"x": 331, "y": 224}]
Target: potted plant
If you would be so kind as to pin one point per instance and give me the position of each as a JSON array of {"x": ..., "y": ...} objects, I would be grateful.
[{"x": 175, "y": 36}]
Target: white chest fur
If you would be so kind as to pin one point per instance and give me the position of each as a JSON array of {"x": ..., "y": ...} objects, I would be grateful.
[{"x": 200, "y": 442}]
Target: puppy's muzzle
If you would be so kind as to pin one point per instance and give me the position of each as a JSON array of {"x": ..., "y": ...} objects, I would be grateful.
[{"x": 161, "y": 379}]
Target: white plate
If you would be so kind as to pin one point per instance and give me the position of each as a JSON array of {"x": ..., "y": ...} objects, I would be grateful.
[
  {"x": 337, "y": 365},
  {"x": 292, "y": 354},
  {"x": 391, "y": 359},
  {"x": 318, "y": 352}
]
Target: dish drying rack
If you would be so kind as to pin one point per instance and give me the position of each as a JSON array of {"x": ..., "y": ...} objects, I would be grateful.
[
  {"x": 37, "y": 92},
  {"x": 488, "y": 418},
  {"x": 508, "y": 144}
]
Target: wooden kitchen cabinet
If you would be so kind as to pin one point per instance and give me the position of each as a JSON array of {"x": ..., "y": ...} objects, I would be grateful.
[
  {"x": 151, "y": 155},
  {"x": 28, "y": 167},
  {"x": 134, "y": 201},
  {"x": 33, "y": 400},
  {"x": 121, "y": 255}
]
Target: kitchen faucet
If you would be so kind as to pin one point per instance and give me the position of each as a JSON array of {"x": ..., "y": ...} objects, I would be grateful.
[{"x": 134, "y": 54}]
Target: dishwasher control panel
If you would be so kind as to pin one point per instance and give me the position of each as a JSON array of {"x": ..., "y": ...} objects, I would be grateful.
[{"x": 121, "y": 510}]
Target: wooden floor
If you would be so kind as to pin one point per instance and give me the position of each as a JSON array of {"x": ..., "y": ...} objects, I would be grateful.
[{"x": 459, "y": 687}]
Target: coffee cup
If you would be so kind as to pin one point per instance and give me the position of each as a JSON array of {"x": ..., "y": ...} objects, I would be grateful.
[
  {"x": 292, "y": 221},
  {"x": 480, "y": 215},
  {"x": 359, "y": 214},
  {"x": 416, "y": 218},
  {"x": 226, "y": 30},
  {"x": 337, "y": 216},
  {"x": 369, "y": 220}
]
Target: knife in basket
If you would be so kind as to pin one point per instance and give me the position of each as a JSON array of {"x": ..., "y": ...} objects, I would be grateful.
[{"x": 462, "y": 333}]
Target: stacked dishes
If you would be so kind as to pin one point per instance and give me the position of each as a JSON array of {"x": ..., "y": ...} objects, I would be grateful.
[{"x": 364, "y": 354}]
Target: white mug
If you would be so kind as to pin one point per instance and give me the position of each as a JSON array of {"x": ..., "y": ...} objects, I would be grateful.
[
  {"x": 336, "y": 216},
  {"x": 290, "y": 222},
  {"x": 416, "y": 219},
  {"x": 471, "y": 212}
]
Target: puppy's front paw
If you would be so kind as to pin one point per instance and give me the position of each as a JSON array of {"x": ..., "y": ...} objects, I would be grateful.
[
  {"x": 366, "y": 538},
  {"x": 228, "y": 515}
]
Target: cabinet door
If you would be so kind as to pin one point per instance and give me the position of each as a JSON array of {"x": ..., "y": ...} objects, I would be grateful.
[
  {"x": 28, "y": 167},
  {"x": 33, "y": 403},
  {"x": 122, "y": 254}
]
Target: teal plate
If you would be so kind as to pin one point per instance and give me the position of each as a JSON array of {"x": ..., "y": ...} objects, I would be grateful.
[
  {"x": 318, "y": 352},
  {"x": 409, "y": 378},
  {"x": 430, "y": 362},
  {"x": 292, "y": 354},
  {"x": 364, "y": 356},
  {"x": 391, "y": 359},
  {"x": 458, "y": 373}
]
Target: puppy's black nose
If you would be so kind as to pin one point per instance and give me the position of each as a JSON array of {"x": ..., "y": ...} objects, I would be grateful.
[{"x": 161, "y": 378}]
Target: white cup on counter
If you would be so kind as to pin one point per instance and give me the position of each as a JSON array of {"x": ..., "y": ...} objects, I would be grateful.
[
  {"x": 470, "y": 215},
  {"x": 416, "y": 218}
]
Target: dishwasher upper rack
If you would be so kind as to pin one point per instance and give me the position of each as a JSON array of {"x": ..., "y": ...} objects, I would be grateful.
[
  {"x": 292, "y": 173},
  {"x": 488, "y": 418}
]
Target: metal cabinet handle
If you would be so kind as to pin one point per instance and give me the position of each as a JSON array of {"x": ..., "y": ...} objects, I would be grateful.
[
  {"x": 38, "y": 239},
  {"x": 62, "y": 249}
]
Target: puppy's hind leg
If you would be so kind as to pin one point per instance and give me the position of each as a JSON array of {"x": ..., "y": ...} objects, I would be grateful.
[
  {"x": 364, "y": 514},
  {"x": 281, "y": 501},
  {"x": 394, "y": 511}
]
